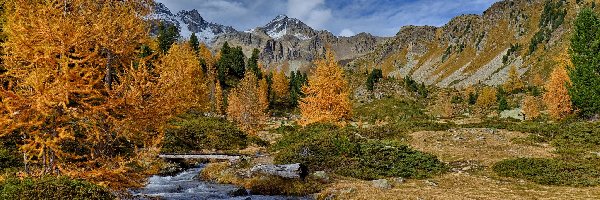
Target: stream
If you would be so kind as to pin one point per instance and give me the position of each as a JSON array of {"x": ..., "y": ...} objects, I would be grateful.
[{"x": 185, "y": 186}]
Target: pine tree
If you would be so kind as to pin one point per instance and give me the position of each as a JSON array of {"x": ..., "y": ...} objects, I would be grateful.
[
  {"x": 585, "y": 56},
  {"x": 231, "y": 65},
  {"x": 327, "y": 95},
  {"x": 253, "y": 63},
  {"x": 167, "y": 35},
  {"x": 194, "y": 43}
]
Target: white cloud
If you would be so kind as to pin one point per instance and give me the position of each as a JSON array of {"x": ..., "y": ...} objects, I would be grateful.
[
  {"x": 312, "y": 12},
  {"x": 347, "y": 33}
]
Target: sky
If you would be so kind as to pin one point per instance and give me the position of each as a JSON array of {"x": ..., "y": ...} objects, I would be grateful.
[{"x": 341, "y": 17}]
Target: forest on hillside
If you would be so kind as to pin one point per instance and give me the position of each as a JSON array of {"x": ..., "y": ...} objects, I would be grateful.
[{"x": 90, "y": 96}]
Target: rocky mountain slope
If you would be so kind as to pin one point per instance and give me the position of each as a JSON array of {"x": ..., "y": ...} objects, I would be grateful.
[
  {"x": 284, "y": 42},
  {"x": 290, "y": 43},
  {"x": 189, "y": 22},
  {"x": 473, "y": 49}
]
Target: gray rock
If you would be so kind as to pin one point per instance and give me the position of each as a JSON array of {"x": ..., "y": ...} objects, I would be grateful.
[
  {"x": 431, "y": 183},
  {"x": 399, "y": 180},
  {"x": 322, "y": 175},
  {"x": 381, "y": 183},
  {"x": 515, "y": 114}
]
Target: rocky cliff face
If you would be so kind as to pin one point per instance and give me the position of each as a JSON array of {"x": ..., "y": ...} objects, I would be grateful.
[
  {"x": 474, "y": 49},
  {"x": 189, "y": 22},
  {"x": 288, "y": 42},
  {"x": 284, "y": 41}
]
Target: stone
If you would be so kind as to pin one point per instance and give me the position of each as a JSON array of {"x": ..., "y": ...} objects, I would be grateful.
[
  {"x": 322, "y": 175},
  {"x": 514, "y": 114},
  {"x": 238, "y": 192},
  {"x": 431, "y": 183},
  {"x": 399, "y": 180},
  {"x": 381, "y": 183}
]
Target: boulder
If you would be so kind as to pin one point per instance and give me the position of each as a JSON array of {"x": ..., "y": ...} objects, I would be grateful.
[
  {"x": 514, "y": 114},
  {"x": 381, "y": 183}
]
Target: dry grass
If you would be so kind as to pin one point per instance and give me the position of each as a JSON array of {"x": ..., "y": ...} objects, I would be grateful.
[
  {"x": 457, "y": 186},
  {"x": 485, "y": 146}
]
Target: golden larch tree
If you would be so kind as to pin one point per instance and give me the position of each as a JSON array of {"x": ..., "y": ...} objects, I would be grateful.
[
  {"x": 514, "y": 81},
  {"x": 486, "y": 100},
  {"x": 531, "y": 107},
  {"x": 557, "y": 97},
  {"x": 218, "y": 102},
  {"x": 246, "y": 105},
  {"x": 281, "y": 86},
  {"x": 327, "y": 94},
  {"x": 80, "y": 94}
]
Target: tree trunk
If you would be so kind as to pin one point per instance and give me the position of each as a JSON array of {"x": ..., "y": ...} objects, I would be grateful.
[{"x": 291, "y": 171}]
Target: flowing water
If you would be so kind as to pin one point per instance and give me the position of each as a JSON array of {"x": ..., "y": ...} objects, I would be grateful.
[{"x": 185, "y": 186}]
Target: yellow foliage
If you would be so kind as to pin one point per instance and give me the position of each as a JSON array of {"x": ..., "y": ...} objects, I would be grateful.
[
  {"x": 443, "y": 105},
  {"x": 327, "y": 95},
  {"x": 247, "y": 105},
  {"x": 280, "y": 86},
  {"x": 557, "y": 97},
  {"x": 514, "y": 82},
  {"x": 531, "y": 107},
  {"x": 218, "y": 98},
  {"x": 64, "y": 57},
  {"x": 487, "y": 98}
]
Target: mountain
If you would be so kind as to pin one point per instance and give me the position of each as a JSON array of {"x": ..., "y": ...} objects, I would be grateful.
[
  {"x": 473, "y": 49},
  {"x": 290, "y": 43},
  {"x": 284, "y": 41},
  {"x": 189, "y": 22}
]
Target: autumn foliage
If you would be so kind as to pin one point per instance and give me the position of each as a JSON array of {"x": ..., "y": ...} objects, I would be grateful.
[
  {"x": 531, "y": 107},
  {"x": 86, "y": 105},
  {"x": 327, "y": 95},
  {"x": 557, "y": 97},
  {"x": 281, "y": 86},
  {"x": 487, "y": 99},
  {"x": 514, "y": 82},
  {"x": 247, "y": 103}
]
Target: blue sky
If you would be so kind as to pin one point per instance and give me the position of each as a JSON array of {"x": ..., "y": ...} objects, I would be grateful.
[{"x": 341, "y": 17}]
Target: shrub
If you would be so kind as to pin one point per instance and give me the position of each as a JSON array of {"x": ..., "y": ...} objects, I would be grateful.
[
  {"x": 373, "y": 78},
  {"x": 345, "y": 152},
  {"x": 194, "y": 133},
  {"x": 52, "y": 188},
  {"x": 390, "y": 109},
  {"x": 549, "y": 171}
]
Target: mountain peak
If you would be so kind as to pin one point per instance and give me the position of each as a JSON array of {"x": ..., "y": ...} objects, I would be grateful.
[
  {"x": 283, "y": 25},
  {"x": 280, "y": 18}
]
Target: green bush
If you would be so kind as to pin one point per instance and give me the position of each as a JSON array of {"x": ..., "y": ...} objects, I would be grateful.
[
  {"x": 390, "y": 110},
  {"x": 549, "y": 171},
  {"x": 52, "y": 188},
  {"x": 193, "y": 133},
  {"x": 346, "y": 152}
]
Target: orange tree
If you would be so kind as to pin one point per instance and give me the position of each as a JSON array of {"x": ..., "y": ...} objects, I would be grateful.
[
  {"x": 327, "y": 94},
  {"x": 247, "y": 103},
  {"x": 82, "y": 107},
  {"x": 557, "y": 97}
]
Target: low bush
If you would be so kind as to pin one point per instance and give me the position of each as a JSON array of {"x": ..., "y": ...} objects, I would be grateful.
[
  {"x": 346, "y": 152},
  {"x": 390, "y": 110},
  {"x": 52, "y": 188},
  {"x": 271, "y": 185},
  {"x": 549, "y": 171},
  {"x": 193, "y": 133}
]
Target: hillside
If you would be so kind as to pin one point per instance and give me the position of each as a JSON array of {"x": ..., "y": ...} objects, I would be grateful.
[{"x": 472, "y": 49}]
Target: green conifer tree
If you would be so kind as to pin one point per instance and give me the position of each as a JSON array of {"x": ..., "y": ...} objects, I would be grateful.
[{"x": 585, "y": 55}]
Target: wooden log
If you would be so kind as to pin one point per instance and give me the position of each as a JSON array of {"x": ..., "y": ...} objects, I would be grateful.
[
  {"x": 199, "y": 156},
  {"x": 291, "y": 171}
]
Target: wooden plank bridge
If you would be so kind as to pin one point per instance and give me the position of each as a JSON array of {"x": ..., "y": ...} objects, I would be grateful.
[{"x": 201, "y": 156}]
